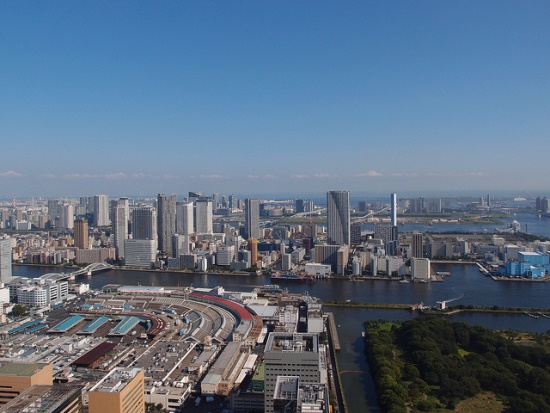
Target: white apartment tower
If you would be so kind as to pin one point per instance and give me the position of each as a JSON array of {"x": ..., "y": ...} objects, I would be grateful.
[
  {"x": 184, "y": 218},
  {"x": 100, "y": 209},
  {"x": 203, "y": 215},
  {"x": 338, "y": 218}
]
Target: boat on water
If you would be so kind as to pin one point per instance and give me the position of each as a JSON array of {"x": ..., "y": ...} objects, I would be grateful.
[
  {"x": 404, "y": 281},
  {"x": 291, "y": 276},
  {"x": 362, "y": 334}
]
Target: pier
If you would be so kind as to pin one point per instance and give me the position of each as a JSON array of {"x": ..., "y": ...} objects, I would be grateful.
[{"x": 333, "y": 332}]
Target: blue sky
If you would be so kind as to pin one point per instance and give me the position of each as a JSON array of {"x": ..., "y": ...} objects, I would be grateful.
[{"x": 135, "y": 98}]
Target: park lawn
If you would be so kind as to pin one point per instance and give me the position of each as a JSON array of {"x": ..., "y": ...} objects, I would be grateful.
[{"x": 485, "y": 402}]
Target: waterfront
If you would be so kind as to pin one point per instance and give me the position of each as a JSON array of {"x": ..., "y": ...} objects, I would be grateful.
[{"x": 356, "y": 380}]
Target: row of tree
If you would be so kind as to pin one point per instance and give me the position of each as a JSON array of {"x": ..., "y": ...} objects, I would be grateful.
[{"x": 428, "y": 362}]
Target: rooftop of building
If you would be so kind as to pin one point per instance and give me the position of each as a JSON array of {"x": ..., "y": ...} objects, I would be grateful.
[
  {"x": 42, "y": 399},
  {"x": 21, "y": 369},
  {"x": 292, "y": 342},
  {"x": 116, "y": 380},
  {"x": 286, "y": 388}
]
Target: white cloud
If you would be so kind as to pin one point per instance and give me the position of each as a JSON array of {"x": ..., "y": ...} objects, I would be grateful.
[
  {"x": 323, "y": 175},
  {"x": 211, "y": 176},
  {"x": 10, "y": 174},
  {"x": 407, "y": 174},
  {"x": 299, "y": 176},
  {"x": 370, "y": 173}
]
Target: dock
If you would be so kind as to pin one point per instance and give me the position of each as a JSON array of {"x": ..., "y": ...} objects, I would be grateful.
[{"x": 333, "y": 332}]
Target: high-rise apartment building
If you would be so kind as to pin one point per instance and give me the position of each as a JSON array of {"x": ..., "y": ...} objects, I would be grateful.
[
  {"x": 5, "y": 260},
  {"x": 100, "y": 209},
  {"x": 338, "y": 218},
  {"x": 185, "y": 218},
  {"x": 81, "y": 239},
  {"x": 120, "y": 229},
  {"x": 252, "y": 218},
  {"x": 66, "y": 216},
  {"x": 166, "y": 227},
  {"x": 203, "y": 216},
  {"x": 417, "y": 247}
]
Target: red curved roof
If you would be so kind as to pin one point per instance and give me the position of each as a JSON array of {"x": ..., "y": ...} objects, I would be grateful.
[{"x": 239, "y": 309}]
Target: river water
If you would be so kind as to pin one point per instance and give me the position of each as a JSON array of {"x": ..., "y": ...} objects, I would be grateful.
[{"x": 465, "y": 281}]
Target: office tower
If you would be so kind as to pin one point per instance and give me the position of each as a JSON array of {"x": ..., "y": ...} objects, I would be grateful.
[
  {"x": 5, "y": 260},
  {"x": 417, "y": 245},
  {"x": 338, "y": 218},
  {"x": 252, "y": 218},
  {"x": 225, "y": 202},
  {"x": 140, "y": 252},
  {"x": 17, "y": 377},
  {"x": 393, "y": 210},
  {"x": 81, "y": 233},
  {"x": 166, "y": 218},
  {"x": 120, "y": 391},
  {"x": 215, "y": 201},
  {"x": 144, "y": 223},
  {"x": 363, "y": 206},
  {"x": 489, "y": 200},
  {"x": 66, "y": 216},
  {"x": 288, "y": 354},
  {"x": 203, "y": 216},
  {"x": 232, "y": 201},
  {"x": 300, "y": 205},
  {"x": 184, "y": 218},
  {"x": 355, "y": 233},
  {"x": 120, "y": 229},
  {"x": 253, "y": 248},
  {"x": 100, "y": 209}
]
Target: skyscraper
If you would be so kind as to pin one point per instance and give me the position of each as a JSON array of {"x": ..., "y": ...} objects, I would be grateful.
[
  {"x": 393, "y": 210},
  {"x": 5, "y": 260},
  {"x": 120, "y": 229},
  {"x": 203, "y": 215},
  {"x": 252, "y": 218},
  {"x": 166, "y": 227},
  {"x": 66, "y": 216},
  {"x": 101, "y": 210},
  {"x": 144, "y": 223},
  {"x": 417, "y": 245},
  {"x": 338, "y": 218},
  {"x": 394, "y": 230},
  {"x": 184, "y": 218},
  {"x": 81, "y": 233}
]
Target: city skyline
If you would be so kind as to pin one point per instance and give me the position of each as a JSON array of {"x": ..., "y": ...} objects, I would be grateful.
[{"x": 171, "y": 96}]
